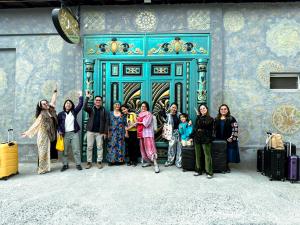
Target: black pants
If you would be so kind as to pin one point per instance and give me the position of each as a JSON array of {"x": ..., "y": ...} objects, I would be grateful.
[
  {"x": 133, "y": 148},
  {"x": 53, "y": 151}
]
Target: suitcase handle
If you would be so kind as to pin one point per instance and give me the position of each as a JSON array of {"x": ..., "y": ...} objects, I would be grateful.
[{"x": 10, "y": 131}]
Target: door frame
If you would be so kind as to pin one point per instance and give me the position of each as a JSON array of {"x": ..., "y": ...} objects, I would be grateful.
[{"x": 188, "y": 47}]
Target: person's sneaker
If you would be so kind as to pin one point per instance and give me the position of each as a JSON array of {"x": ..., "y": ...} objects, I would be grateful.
[
  {"x": 99, "y": 165},
  {"x": 197, "y": 174},
  {"x": 129, "y": 163},
  {"x": 134, "y": 164},
  {"x": 167, "y": 164},
  {"x": 156, "y": 168},
  {"x": 65, "y": 167},
  {"x": 146, "y": 164},
  {"x": 78, "y": 167},
  {"x": 88, "y": 165},
  {"x": 209, "y": 176}
]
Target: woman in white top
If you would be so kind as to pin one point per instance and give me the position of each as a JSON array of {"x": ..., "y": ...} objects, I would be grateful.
[{"x": 69, "y": 128}]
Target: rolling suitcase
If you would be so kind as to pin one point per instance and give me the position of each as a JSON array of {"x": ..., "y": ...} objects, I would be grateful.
[
  {"x": 298, "y": 169},
  {"x": 292, "y": 175},
  {"x": 266, "y": 170},
  {"x": 290, "y": 148},
  {"x": 219, "y": 156},
  {"x": 277, "y": 164},
  {"x": 292, "y": 162},
  {"x": 259, "y": 160},
  {"x": 188, "y": 158},
  {"x": 8, "y": 157}
]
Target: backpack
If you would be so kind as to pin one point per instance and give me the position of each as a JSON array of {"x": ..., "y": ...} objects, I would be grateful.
[{"x": 275, "y": 141}]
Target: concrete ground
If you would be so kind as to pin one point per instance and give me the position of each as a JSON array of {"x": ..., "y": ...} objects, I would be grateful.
[{"x": 128, "y": 195}]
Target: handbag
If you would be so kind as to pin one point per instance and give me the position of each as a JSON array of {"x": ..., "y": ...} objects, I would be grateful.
[
  {"x": 167, "y": 130},
  {"x": 140, "y": 128},
  {"x": 60, "y": 143}
]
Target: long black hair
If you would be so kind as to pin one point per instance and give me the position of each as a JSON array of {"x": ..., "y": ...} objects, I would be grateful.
[
  {"x": 72, "y": 103},
  {"x": 219, "y": 113},
  {"x": 39, "y": 108}
]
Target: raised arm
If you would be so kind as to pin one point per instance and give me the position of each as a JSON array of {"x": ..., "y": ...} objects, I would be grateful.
[
  {"x": 53, "y": 99},
  {"x": 86, "y": 101},
  {"x": 79, "y": 105}
]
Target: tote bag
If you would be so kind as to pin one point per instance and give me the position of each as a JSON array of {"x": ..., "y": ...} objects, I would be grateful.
[
  {"x": 60, "y": 143},
  {"x": 167, "y": 130}
]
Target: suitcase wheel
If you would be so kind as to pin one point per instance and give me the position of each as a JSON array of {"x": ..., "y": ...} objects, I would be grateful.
[
  {"x": 271, "y": 179},
  {"x": 282, "y": 179}
]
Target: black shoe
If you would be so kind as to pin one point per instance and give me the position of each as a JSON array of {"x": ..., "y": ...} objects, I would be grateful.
[
  {"x": 65, "y": 167},
  {"x": 134, "y": 164},
  {"x": 129, "y": 163},
  {"x": 78, "y": 167}
]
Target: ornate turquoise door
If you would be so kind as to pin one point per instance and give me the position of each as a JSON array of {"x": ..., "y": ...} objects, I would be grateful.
[
  {"x": 158, "y": 82},
  {"x": 159, "y": 69}
]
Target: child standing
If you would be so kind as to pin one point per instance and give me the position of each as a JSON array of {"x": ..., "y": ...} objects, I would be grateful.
[{"x": 185, "y": 129}]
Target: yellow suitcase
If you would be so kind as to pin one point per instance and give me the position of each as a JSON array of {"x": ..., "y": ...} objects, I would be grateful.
[{"x": 9, "y": 162}]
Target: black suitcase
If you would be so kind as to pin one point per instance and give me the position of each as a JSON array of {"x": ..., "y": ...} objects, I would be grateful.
[
  {"x": 266, "y": 168},
  {"x": 298, "y": 169},
  {"x": 188, "y": 158},
  {"x": 277, "y": 165},
  {"x": 219, "y": 156},
  {"x": 260, "y": 160}
]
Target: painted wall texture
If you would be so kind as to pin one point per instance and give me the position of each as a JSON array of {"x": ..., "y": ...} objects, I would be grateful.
[
  {"x": 33, "y": 60},
  {"x": 248, "y": 42}
]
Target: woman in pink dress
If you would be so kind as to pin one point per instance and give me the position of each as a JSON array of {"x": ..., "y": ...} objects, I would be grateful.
[{"x": 147, "y": 143}]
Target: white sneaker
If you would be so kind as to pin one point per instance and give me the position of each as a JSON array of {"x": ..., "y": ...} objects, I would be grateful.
[
  {"x": 156, "y": 168},
  {"x": 209, "y": 176},
  {"x": 146, "y": 164},
  {"x": 167, "y": 164}
]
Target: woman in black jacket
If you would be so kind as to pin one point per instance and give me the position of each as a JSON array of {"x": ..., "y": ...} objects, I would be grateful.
[
  {"x": 226, "y": 128},
  {"x": 69, "y": 128},
  {"x": 202, "y": 135}
]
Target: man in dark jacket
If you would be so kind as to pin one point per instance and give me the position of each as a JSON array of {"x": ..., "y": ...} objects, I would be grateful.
[{"x": 97, "y": 128}]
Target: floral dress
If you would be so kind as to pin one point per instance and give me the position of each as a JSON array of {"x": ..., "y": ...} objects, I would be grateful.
[
  {"x": 116, "y": 145},
  {"x": 40, "y": 128}
]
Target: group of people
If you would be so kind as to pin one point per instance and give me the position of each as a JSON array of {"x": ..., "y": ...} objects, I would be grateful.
[
  {"x": 201, "y": 134},
  {"x": 130, "y": 133}
]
